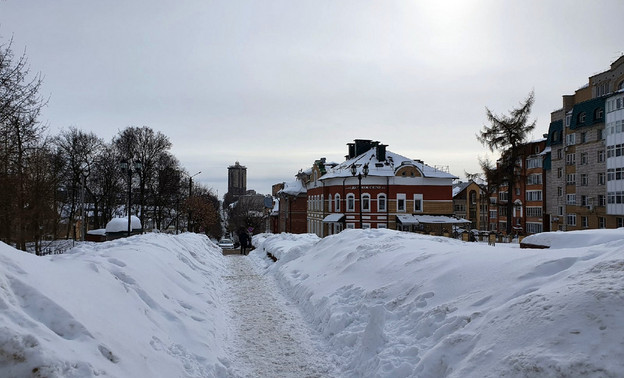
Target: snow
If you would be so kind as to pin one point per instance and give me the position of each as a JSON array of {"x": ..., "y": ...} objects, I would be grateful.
[
  {"x": 121, "y": 224},
  {"x": 378, "y": 303},
  {"x": 294, "y": 188},
  {"x": 386, "y": 169},
  {"x": 584, "y": 238},
  {"x": 396, "y": 304}
]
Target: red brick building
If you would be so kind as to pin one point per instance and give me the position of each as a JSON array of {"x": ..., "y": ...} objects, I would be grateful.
[
  {"x": 528, "y": 194},
  {"x": 376, "y": 188},
  {"x": 291, "y": 203}
]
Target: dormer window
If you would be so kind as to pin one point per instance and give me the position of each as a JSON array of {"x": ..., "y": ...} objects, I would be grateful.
[
  {"x": 581, "y": 118},
  {"x": 598, "y": 113}
]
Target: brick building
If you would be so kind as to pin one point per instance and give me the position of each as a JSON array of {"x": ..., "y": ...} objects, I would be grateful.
[
  {"x": 470, "y": 201},
  {"x": 582, "y": 166},
  {"x": 527, "y": 195},
  {"x": 376, "y": 188}
]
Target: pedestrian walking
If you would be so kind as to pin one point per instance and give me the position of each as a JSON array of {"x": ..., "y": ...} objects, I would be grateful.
[{"x": 243, "y": 239}]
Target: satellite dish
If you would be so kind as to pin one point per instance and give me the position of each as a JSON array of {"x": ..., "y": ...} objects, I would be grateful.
[{"x": 268, "y": 202}]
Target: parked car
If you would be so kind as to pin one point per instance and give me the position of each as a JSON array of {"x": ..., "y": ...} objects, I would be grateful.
[{"x": 226, "y": 244}]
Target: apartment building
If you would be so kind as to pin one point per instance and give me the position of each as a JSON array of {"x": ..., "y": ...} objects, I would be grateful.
[{"x": 580, "y": 149}]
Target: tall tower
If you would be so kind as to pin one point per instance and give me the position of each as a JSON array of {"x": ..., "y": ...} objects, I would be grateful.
[{"x": 237, "y": 179}]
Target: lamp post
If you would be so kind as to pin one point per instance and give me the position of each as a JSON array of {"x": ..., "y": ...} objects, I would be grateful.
[
  {"x": 129, "y": 168},
  {"x": 359, "y": 176},
  {"x": 190, "y": 195}
]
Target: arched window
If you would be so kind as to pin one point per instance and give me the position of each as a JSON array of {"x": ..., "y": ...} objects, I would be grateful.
[
  {"x": 598, "y": 113},
  {"x": 350, "y": 202},
  {"x": 581, "y": 117},
  {"x": 381, "y": 202},
  {"x": 337, "y": 202},
  {"x": 366, "y": 202},
  {"x": 621, "y": 85}
]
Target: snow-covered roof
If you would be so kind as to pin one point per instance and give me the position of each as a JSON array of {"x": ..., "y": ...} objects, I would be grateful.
[
  {"x": 293, "y": 188},
  {"x": 387, "y": 168},
  {"x": 121, "y": 224},
  {"x": 459, "y": 187}
]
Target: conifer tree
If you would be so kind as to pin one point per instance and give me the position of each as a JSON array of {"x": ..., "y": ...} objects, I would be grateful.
[{"x": 506, "y": 134}]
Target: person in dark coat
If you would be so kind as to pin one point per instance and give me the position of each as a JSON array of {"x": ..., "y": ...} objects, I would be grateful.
[{"x": 243, "y": 238}]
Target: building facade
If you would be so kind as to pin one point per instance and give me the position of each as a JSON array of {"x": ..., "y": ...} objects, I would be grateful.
[
  {"x": 527, "y": 195},
  {"x": 470, "y": 202},
  {"x": 376, "y": 188},
  {"x": 583, "y": 161}
]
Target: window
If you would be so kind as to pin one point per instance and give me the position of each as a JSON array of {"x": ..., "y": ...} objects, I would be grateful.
[
  {"x": 560, "y": 153},
  {"x": 534, "y": 179},
  {"x": 517, "y": 190},
  {"x": 366, "y": 202},
  {"x": 533, "y": 228},
  {"x": 602, "y": 222},
  {"x": 382, "y": 225},
  {"x": 581, "y": 117},
  {"x": 583, "y": 200},
  {"x": 584, "y": 222},
  {"x": 366, "y": 226},
  {"x": 534, "y": 195},
  {"x": 584, "y": 159},
  {"x": 381, "y": 203},
  {"x": 401, "y": 202},
  {"x": 418, "y": 203},
  {"x": 534, "y": 211},
  {"x": 559, "y": 172},
  {"x": 601, "y": 156},
  {"x": 570, "y": 159},
  {"x": 602, "y": 200},
  {"x": 493, "y": 214},
  {"x": 599, "y": 134},
  {"x": 598, "y": 113},
  {"x": 571, "y": 199},
  {"x": 571, "y": 178},
  {"x": 337, "y": 202},
  {"x": 571, "y": 139},
  {"x": 559, "y": 191},
  {"x": 571, "y": 219},
  {"x": 560, "y": 210},
  {"x": 350, "y": 225},
  {"x": 535, "y": 162},
  {"x": 502, "y": 196},
  {"x": 584, "y": 180},
  {"x": 620, "y": 222},
  {"x": 350, "y": 202},
  {"x": 583, "y": 137}
]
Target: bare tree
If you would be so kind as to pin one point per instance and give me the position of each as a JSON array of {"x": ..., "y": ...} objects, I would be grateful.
[
  {"x": 20, "y": 133},
  {"x": 506, "y": 134},
  {"x": 79, "y": 150}
]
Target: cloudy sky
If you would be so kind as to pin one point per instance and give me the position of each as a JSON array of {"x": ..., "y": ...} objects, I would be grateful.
[{"x": 277, "y": 84}]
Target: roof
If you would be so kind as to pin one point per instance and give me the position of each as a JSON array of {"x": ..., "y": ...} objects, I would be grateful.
[
  {"x": 334, "y": 218},
  {"x": 387, "y": 168},
  {"x": 293, "y": 188},
  {"x": 589, "y": 108}
]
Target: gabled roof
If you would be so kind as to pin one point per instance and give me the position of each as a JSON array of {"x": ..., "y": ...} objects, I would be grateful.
[
  {"x": 293, "y": 188},
  {"x": 387, "y": 168}
]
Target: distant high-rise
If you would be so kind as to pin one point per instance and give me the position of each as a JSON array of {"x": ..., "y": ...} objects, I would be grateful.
[{"x": 237, "y": 179}]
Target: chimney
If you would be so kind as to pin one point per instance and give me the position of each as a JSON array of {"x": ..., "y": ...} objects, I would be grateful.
[
  {"x": 381, "y": 152},
  {"x": 351, "y": 151},
  {"x": 362, "y": 145}
]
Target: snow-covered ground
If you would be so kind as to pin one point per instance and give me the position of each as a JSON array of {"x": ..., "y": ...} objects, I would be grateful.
[{"x": 361, "y": 303}]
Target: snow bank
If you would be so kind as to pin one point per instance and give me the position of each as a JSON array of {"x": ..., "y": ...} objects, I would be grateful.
[
  {"x": 396, "y": 304},
  {"x": 574, "y": 239},
  {"x": 121, "y": 224},
  {"x": 143, "y": 306}
]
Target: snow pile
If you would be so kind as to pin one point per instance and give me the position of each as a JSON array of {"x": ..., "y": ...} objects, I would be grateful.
[
  {"x": 285, "y": 246},
  {"x": 121, "y": 224},
  {"x": 396, "y": 304},
  {"x": 144, "y": 306},
  {"x": 584, "y": 238}
]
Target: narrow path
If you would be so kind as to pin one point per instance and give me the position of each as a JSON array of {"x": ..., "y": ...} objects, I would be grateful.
[{"x": 268, "y": 337}]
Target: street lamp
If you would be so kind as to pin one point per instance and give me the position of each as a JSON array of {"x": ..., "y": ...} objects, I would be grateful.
[
  {"x": 359, "y": 176},
  {"x": 129, "y": 168},
  {"x": 190, "y": 195}
]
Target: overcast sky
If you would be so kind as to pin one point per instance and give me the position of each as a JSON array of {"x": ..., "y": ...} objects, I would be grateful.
[{"x": 277, "y": 84}]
